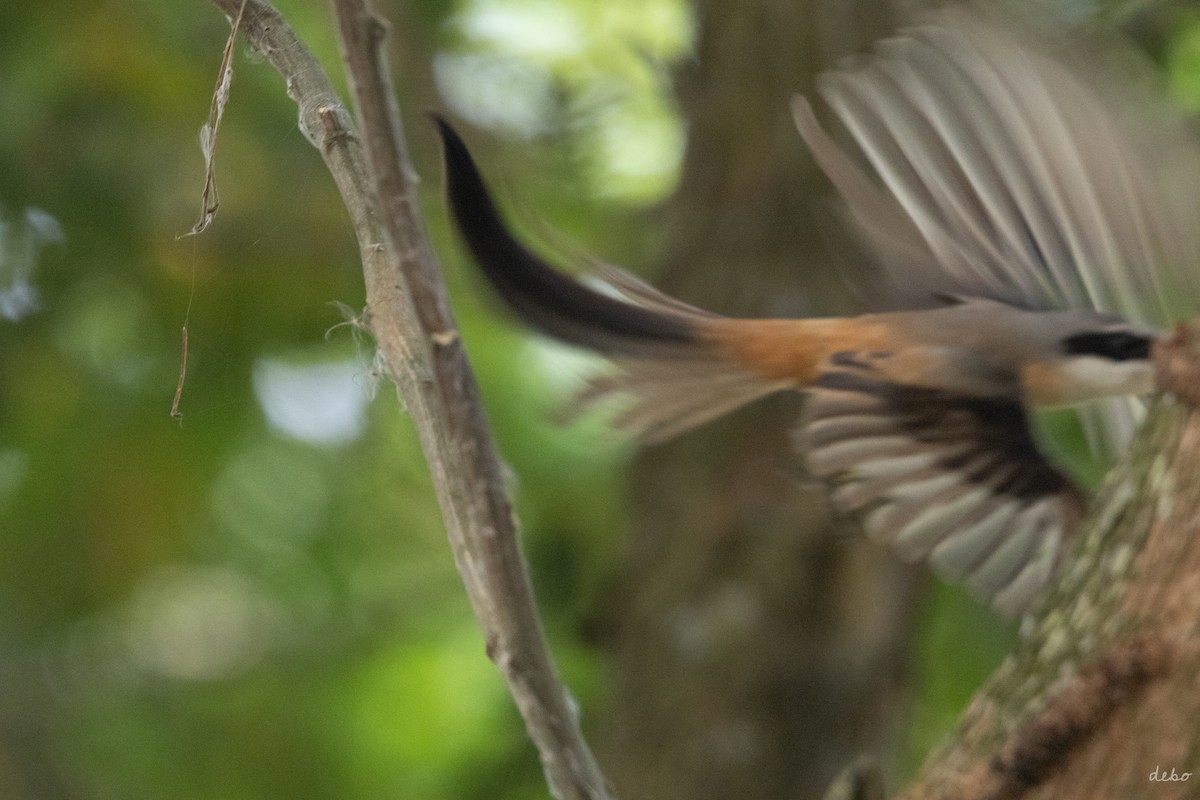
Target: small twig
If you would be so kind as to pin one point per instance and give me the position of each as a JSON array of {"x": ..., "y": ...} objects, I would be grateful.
[
  {"x": 183, "y": 353},
  {"x": 862, "y": 780},
  {"x": 209, "y": 200}
]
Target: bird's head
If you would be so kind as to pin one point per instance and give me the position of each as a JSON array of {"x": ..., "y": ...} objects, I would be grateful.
[{"x": 1088, "y": 356}]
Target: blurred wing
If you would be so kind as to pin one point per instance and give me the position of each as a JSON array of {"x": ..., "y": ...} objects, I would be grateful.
[
  {"x": 954, "y": 480},
  {"x": 1021, "y": 169},
  {"x": 1029, "y": 177}
]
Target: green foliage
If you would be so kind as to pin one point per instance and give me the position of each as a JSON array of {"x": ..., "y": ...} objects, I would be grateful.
[
  {"x": 957, "y": 646},
  {"x": 600, "y": 68},
  {"x": 1183, "y": 60}
]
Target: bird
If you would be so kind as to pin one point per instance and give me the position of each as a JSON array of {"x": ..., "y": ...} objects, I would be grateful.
[{"x": 1036, "y": 220}]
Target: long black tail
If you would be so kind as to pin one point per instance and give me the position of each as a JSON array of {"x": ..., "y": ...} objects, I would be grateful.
[{"x": 540, "y": 295}]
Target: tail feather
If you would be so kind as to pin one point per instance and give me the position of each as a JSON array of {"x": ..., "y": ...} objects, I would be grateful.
[
  {"x": 636, "y": 290},
  {"x": 543, "y": 297},
  {"x": 664, "y": 398},
  {"x": 673, "y": 373}
]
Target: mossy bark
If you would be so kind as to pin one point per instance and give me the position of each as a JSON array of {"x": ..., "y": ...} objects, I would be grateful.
[{"x": 1100, "y": 698}]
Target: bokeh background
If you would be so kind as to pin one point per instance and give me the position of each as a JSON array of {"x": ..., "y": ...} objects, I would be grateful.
[{"x": 257, "y": 601}]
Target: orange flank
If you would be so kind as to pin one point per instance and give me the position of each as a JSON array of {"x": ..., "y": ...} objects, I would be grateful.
[
  {"x": 794, "y": 349},
  {"x": 1046, "y": 385}
]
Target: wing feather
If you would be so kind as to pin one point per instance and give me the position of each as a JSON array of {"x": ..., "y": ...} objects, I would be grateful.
[
  {"x": 1019, "y": 164},
  {"x": 943, "y": 477},
  {"x": 1033, "y": 171}
]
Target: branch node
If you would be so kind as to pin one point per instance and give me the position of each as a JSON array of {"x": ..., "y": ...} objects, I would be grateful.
[
  {"x": 335, "y": 130},
  {"x": 444, "y": 338},
  {"x": 1177, "y": 360},
  {"x": 861, "y": 780},
  {"x": 377, "y": 29}
]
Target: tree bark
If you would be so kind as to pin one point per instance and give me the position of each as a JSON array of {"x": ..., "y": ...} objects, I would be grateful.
[
  {"x": 759, "y": 648},
  {"x": 1100, "y": 698},
  {"x": 419, "y": 348}
]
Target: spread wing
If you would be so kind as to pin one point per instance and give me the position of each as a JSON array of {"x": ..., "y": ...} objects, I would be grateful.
[
  {"x": 1022, "y": 165},
  {"x": 943, "y": 477}
]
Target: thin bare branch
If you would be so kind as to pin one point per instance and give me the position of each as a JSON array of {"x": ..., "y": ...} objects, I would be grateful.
[
  {"x": 209, "y": 199},
  {"x": 419, "y": 345}
]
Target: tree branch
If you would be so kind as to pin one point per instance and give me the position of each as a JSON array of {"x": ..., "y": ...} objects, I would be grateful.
[
  {"x": 1099, "y": 696},
  {"x": 418, "y": 342}
]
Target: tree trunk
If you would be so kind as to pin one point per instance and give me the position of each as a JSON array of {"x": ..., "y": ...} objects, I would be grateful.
[{"x": 759, "y": 648}]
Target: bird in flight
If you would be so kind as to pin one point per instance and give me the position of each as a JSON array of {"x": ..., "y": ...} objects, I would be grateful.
[{"x": 1042, "y": 205}]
